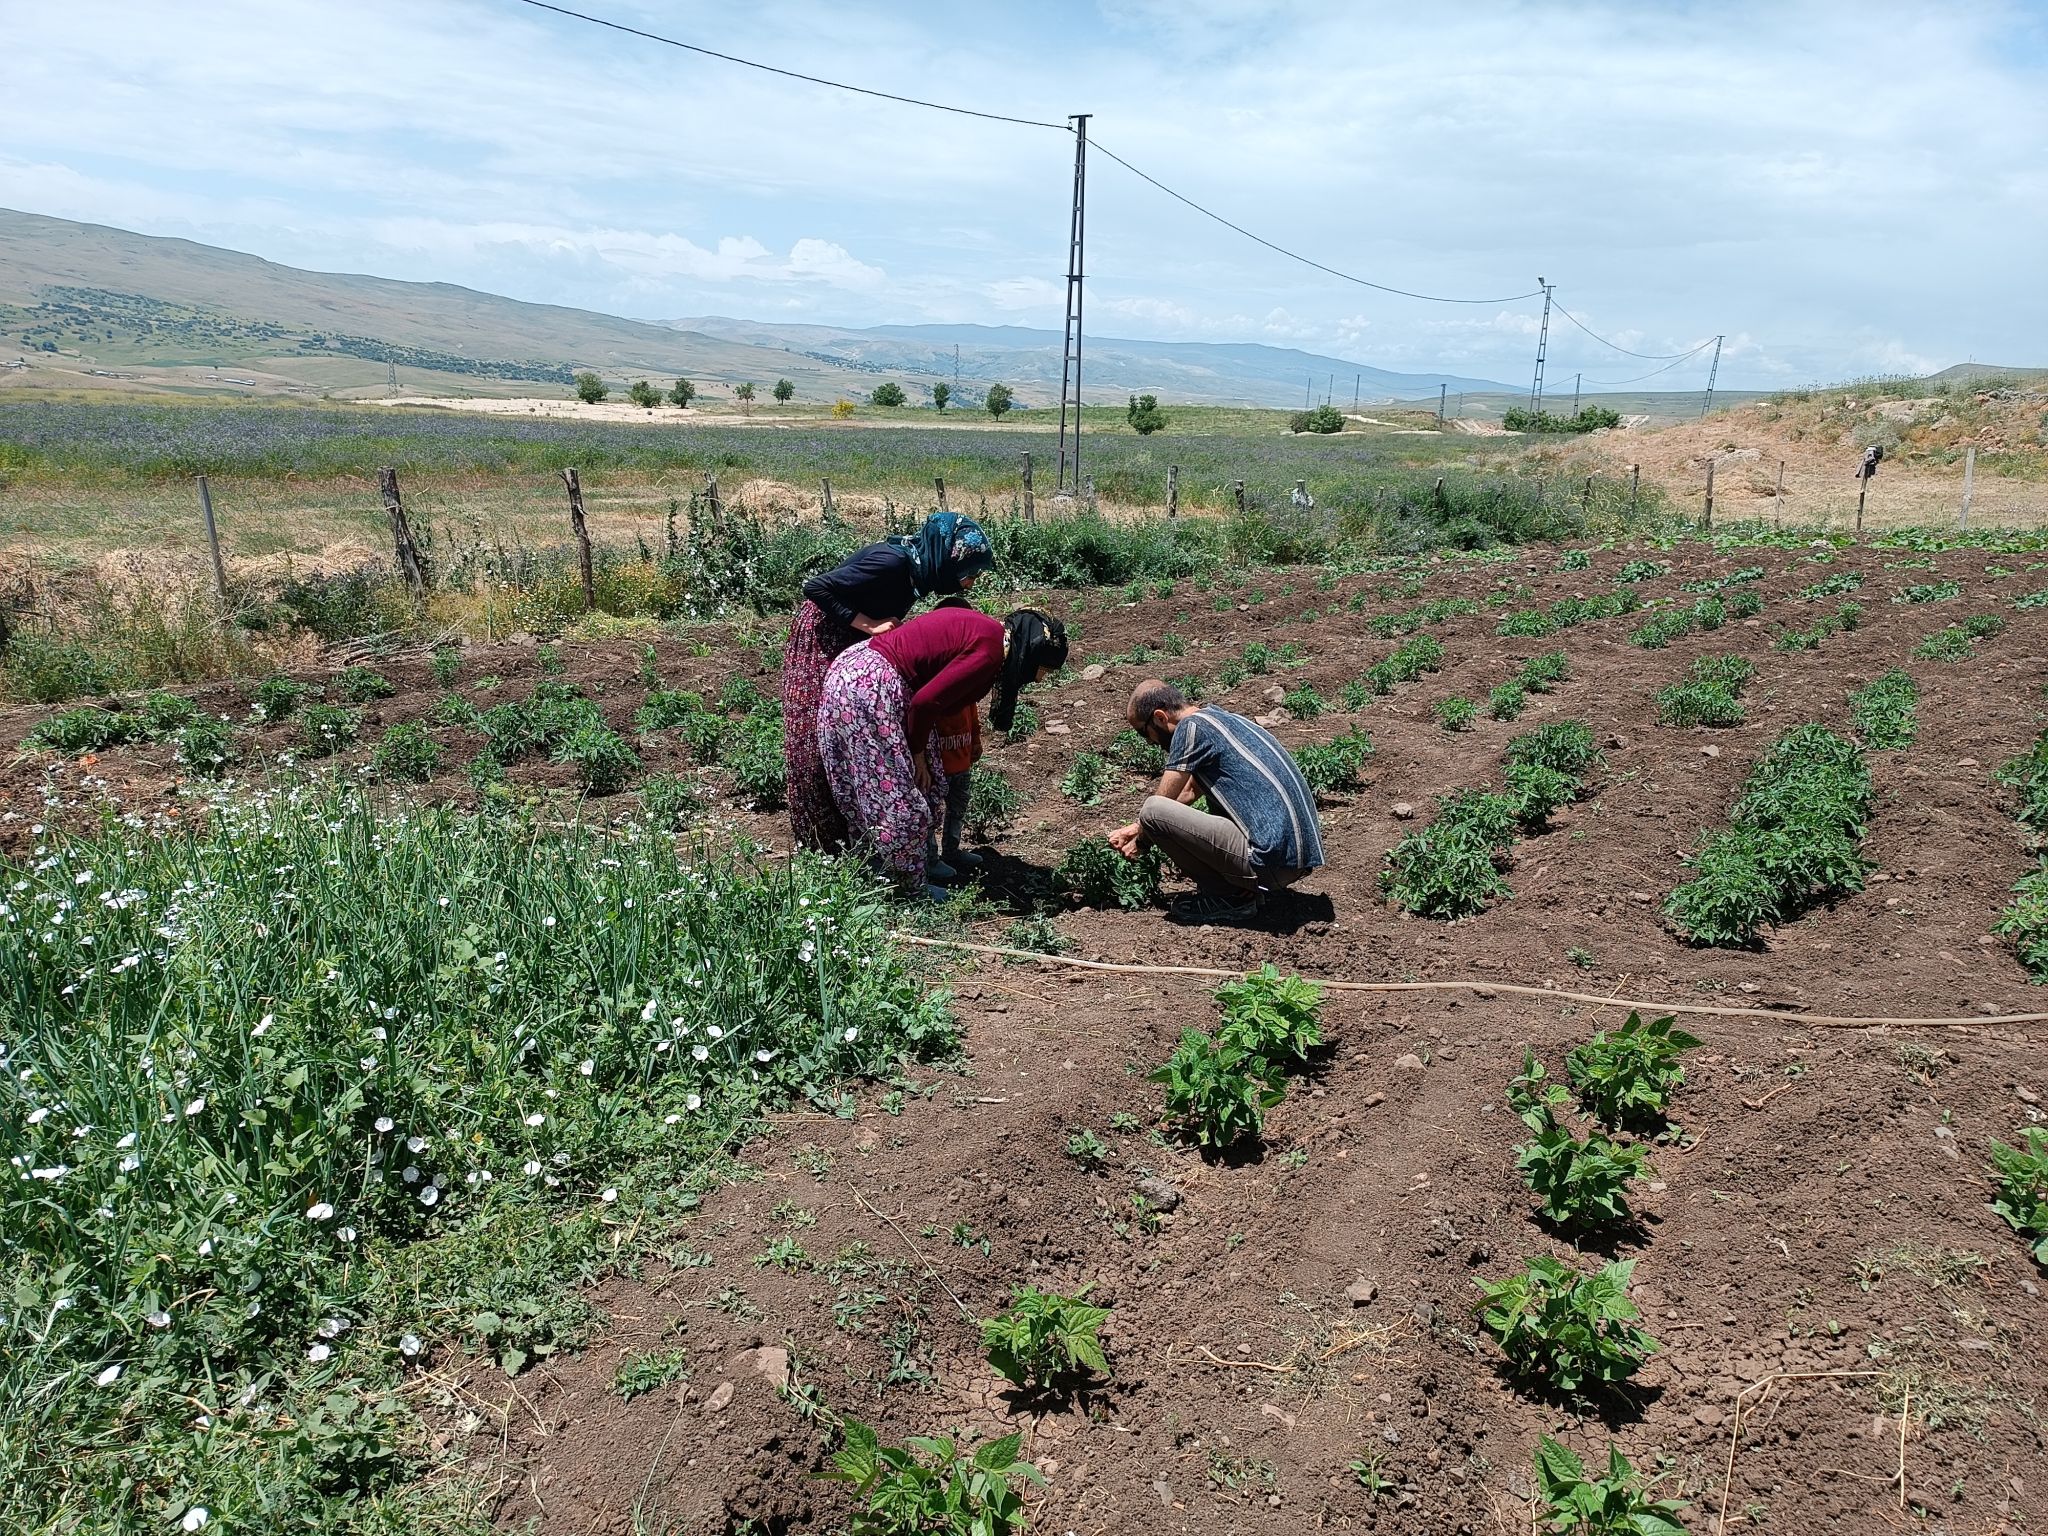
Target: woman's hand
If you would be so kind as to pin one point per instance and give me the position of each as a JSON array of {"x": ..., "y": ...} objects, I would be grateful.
[
  {"x": 868, "y": 626},
  {"x": 921, "y": 766}
]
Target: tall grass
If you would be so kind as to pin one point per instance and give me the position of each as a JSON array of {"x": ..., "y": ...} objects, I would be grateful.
[{"x": 303, "y": 1095}]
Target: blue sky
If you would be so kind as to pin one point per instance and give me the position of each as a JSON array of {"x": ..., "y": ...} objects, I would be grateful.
[{"x": 1840, "y": 188}]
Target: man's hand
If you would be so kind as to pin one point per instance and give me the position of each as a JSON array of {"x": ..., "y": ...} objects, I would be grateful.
[
  {"x": 1127, "y": 841},
  {"x": 868, "y": 626}
]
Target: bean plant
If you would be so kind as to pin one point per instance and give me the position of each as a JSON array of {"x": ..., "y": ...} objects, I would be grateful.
[
  {"x": 1044, "y": 1338},
  {"x": 1583, "y": 1184},
  {"x": 1216, "y": 1089},
  {"x": 928, "y": 1487},
  {"x": 2021, "y": 1188},
  {"x": 1575, "y": 1502},
  {"x": 1563, "y": 1332}
]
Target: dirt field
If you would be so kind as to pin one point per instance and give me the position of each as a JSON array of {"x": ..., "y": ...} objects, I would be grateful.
[{"x": 1817, "y": 1247}]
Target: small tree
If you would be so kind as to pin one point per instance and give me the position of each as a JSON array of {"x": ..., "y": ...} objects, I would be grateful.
[
  {"x": 1324, "y": 418},
  {"x": 683, "y": 393},
  {"x": 1144, "y": 414},
  {"x": 744, "y": 393},
  {"x": 998, "y": 400},
  {"x": 942, "y": 395},
  {"x": 643, "y": 394},
  {"x": 590, "y": 388},
  {"x": 841, "y": 409},
  {"x": 784, "y": 391},
  {"x": 888, "y": 393}
]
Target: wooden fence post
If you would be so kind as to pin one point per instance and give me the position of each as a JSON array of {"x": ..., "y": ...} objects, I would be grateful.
[
  {"x": 939, "y": 483},
  {"x": 1030, "y": 505},
  {"x": 1585, "y": 501},
  {"x": 1708, "y": 520},
  {"x": 711, "y": 494},
  {"x": 827, "y": 484},
  {"x": 1862, "y": 490},
  {"x": 408, "y": 553},
  {"x": 1240, "y": 498},
  {"x": 1173, "y": 490},
  {"x": 1778, "y": 498},
  {"x": 1635, "y": 485},
  {"x": 1969, "y": 483},
  {"x": 220, "y": 574},
  {"x": 1439, "y": 493},
  {"x": 582, "y": 531}
]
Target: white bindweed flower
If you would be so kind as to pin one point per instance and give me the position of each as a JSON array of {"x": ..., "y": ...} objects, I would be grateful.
[
  {"x": 196, "y": 1105},
  {"x": 346, "y": 1234},
  {"x": 647, "y": 1013},
  {"x": 694, "y": 1102},
  {"x": 38, "y": 1116},
  {"x": 384, "y": 1124},
  {"x": 263, "y": 1026},
  {"x": 411, "y": 1174},
  {"x": 194, "y": 1519},
  {"x": 536, "y": 1118},
  {"x": 409, "y": 1345},
  {"x": 714, "y": 1031},
  {"x": 430, "y": 1196},
  {"x": 547, "y": 922},
  {"x": 532, "y": 1167},
  {"x": 852, "y": 1034},
  {"x": 107, "y": 1377},
  {"x": 319, "y": 1210},
  {"x": 700, "y": 1053},
  {"x": 130, "y": 1163},
  {"x": 609, "y": 1196},
  {"x": 318, "y": 1352},
  {"x": 764, "y": 1056},
  {"x": 125, "y": 1142},
  {"x": 670, "y": 1119},
  {"x": 331, "y": 1327},
  {"x": 158, "y": 1319},
  {"x": 587, "y": 1066},
  {"x": 415, "y": 1143}
]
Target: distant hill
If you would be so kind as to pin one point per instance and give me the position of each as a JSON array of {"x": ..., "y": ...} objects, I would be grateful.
[{"x": 1220, "y": 373}]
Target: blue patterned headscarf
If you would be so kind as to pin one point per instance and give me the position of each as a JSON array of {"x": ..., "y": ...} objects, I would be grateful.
[{"x": 947, "y": 550}]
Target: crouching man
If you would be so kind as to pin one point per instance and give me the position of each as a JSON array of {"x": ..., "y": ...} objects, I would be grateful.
[{"x": 1259, "y": 834}]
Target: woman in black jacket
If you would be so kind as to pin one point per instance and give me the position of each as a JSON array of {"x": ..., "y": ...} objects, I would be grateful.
[{"x": 869, "y": 593}]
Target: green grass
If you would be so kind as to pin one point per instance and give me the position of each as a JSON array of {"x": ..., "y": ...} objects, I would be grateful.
[{"x": 303, "y": 1092}]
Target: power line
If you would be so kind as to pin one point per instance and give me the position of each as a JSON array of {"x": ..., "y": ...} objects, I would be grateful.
[
  {"x": 1648, "y": 357},
  {"x": 1306, "y": 261},
  {"x": 1695, "y": 352},
  {"x": 789, "y": 74}
]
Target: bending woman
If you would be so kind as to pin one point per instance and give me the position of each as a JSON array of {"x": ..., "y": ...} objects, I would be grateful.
[
  {"x": 882, "y": 699},
  {"x": 868, "y": 594}
]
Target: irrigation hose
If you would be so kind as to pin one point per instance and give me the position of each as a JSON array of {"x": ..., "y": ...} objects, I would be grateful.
[{"x": 1640, "y": 1005}]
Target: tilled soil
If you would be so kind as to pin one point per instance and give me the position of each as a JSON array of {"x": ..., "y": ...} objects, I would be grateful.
[{"x": 1816, "y": 1244}]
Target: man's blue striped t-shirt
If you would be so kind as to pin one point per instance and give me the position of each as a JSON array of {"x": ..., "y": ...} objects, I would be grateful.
[{"x": 1250, "y": 778}]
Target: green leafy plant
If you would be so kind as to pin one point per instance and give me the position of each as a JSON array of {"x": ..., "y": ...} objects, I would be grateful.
[
  {"x": 1456, "y": 713},
  {"x": 1507, "y": 700},
  {"x": 1087, "y": 1149},
  {"x": 206, "y": 746},
  {"x": 1335, "y": 764},
  {"x": 1563, "y": 1332},
  {"x": 1583, "y": 1184},
  {"x": 993, "y": 804},
  {"x": 359, "y": 685},
  {"x": 2021, "y": 1189},
  {"x": 1642, "y": 570},
  {"x": 406, "y": 755},
  {"x": 325, "y": 729},
  {"x": 1956, "y": 642},
  {"x": 1745, "y": 604},
  {"x": 1131, "y": 751},
  {"x": 754, "y": 754},
  {"x": 1616, "y": 1503},
  {"x": 2025, "y": 922},
  {"x": 1884, "y": 710},
  {"x": 1840, "y": 583},
  {"x": 1846, "y": 617},
  {"x": 640, "y": 1374},
  {"x": 1627, "y": 1077},
  {"x": 1573, "y": 560},
  {"x": 1930, "y": 592},
  {"x": 1214, "y": 1089},
  {"x": 1087, "y": 778},
  {"x": 1451, "y": 868},
  {"x": 669, "y": 799},
  {"x": 1098, "y": 876},
  {"x": 278, "y": 698},
  {"x": 1658, "y": 631},
  {"x": 1043, "y": 1338},
  {"x": 600, "y": 756},
  {"x": 1303, "y": 702},
  {"x": 926, "y": 1487},
  {"x": 447, "y": 664},
  {"x": 86, "y": 729},
  {"x": 1023, "y": 724},
  {"x": 1542, "y": 673},
  {"x": 1272, "y": 1017},
  {"x": 1711, "y": 695}
]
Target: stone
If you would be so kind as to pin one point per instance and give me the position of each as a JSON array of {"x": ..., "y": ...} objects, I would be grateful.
[
  {"x": 767, "y": 1361},
  {"x": 1360, "y": 1293},
  {"x": 1058, "y": 729},
  {"x": 1402, "y": 810},
  {"x": 1093, "y": 672},
  {"x": 1710, "y": 751},
  {"x": 1159, "y": 1193},
  {"x": 717, "y": 1401},
  {"x": 1408, "y": 1063},
  {"x": 2026, "y": 1095},
  {"x": 1274, "y": 694}
]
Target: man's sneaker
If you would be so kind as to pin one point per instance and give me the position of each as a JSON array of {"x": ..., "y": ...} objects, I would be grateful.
[
  {"x": 965, "y": 858},
  {"x": 939, "y": 872},
  {"x": 1217, "y": 908}
]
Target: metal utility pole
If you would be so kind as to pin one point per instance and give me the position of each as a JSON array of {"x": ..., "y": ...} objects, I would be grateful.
[
  {"x": 1442, "y": 394},
  {"x": 956, "y": 367},
  {"x": 392, "y": 364},
  {"x": 1356, "y": 381},
  {"x": 1542, "y": 351},
  {"x": 1708, "y": 404},
  {"x": 1575, "y": 392},
  {"x": 1070, "y": 365},
  {"x": 1308, "y": 392}
]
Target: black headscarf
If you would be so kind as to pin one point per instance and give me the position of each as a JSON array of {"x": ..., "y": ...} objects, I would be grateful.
[
  {"x": 947, "y": 550},
  {"x": 1031, "y": 640}
]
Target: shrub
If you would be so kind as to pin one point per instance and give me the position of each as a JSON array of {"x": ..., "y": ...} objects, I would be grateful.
[
  {"x": 600, "y": 756},
  {"x": 928, "y": 1487},
  {"x": 406, "y": 755},
  {"x": 1335, "y": 764},
  {"x": 1456, "y": 713},
  {"x": 1275, "y": 1018},
  {"x": 277, "y": 698},
  {"x": 998, "y": 400},
  {"x": 993, "y": 804},
  {"x": 1144, "y": 415},
  {"x": 1098, "y": 876},
  {"x": 1884, "y": 709},
  {"x": 206, "y": 746},
  {"x": 1324, "y": 419},
  {"x": 785, "y": 391},
  {"x": 1627, "y": 1078},
  {"x": 1045, "y": 1337},
  {"x": 590, "y": 389},
  {"x": 1563, "y": 1332},
  {"x": 1583, "y": 1184},
  {"x": 942, "y": 395},
  {"x": 669, "y": 799},
  {"x": 682, "y": 392},
  {"x": 1616, "y": 1504},
  {"x": 325, "y": 729},
  {"x": 2021, "y": 1189},
  {"x": 643, "y": 394},
  {"x": 1086, "y": 779},
  {"x": 1507, "y": 701},
  {"x": 1214, "y": 1089},
  {"x": 359, "y": 685},
  {"x": 754, "y": 752},
  {"x": 887, "y": 393},
  {"x": 45, "y": 670}
]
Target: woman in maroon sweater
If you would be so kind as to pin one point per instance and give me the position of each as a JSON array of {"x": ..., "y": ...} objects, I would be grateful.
[{"x": 883, "y": 697}]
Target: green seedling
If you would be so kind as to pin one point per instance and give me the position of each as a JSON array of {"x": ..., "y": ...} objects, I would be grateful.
[
  {"x": 2021, "y": 1189},
  {"x": 1456, "y": 713},
  {"x": 1618, "y": 1503},
  {"x": 1098, "y": 876},
  {"x": 638, "y": 1375},
  {"x": 1086, "y": 779},
  {"x": 359, "y": 685},
  {"x": 1563, "y": 1332},
  {"x": 1274, "y": 1018},
  {"x": 406, "y": 755},
  {"x": 1508, "y": 700},
  {"x": 1711, "y": 695},
  {"x": 1583, "y": 1184},
  {"x": 325, "y": 729},
  {"x": 926, "y": 1487},
  {"x": 1304, "y": 703},
  {"x": 1884, "y": 709},
  {"x": 993, "y": 804},
  {"x": 1087, "y": 1149},
  {"x": 1044, "y": 1338},
  {"x": 1213, "y": 1088},
  {"x": 1627, "y": 1077},
  {"x": 1334, "y": 765}
]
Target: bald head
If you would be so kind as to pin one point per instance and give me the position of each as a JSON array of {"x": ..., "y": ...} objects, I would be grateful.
[{"x": 1155, "y": 708}]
